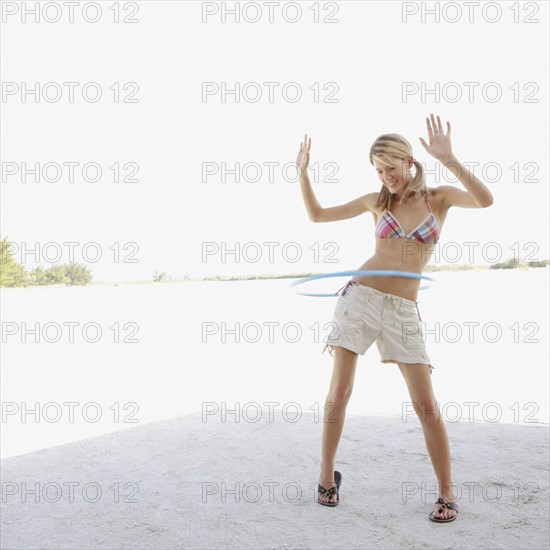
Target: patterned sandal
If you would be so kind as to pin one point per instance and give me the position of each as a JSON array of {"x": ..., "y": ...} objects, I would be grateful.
[
  {"x": 449, "y": 505},
  {"x": 331, "y": 491}
]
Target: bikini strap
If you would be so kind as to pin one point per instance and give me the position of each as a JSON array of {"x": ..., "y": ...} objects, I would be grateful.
[{"x": 428, "y": 202}]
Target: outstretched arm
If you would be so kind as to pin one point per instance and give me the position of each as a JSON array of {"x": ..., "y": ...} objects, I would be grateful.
[
  {"x": 477, "y": 194},
  {"x": 315, "y": 211}
]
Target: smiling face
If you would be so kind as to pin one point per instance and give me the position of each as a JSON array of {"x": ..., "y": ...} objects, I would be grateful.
[{"x": 394, "y": 173}]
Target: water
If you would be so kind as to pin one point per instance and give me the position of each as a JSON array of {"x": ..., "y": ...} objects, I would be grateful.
[{"x": 186, "y": 355}]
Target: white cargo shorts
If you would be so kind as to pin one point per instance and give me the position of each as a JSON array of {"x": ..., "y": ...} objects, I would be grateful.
[{"x": 364, "y": 315}]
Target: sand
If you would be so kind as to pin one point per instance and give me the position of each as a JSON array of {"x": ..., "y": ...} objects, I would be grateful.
[{"x": 183, "y": 472}]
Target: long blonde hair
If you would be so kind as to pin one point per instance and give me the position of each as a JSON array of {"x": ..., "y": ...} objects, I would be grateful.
[{"x": 388, "y": 147}]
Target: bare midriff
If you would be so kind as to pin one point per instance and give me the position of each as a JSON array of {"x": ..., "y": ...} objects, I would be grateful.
[{"x": 397, "y": 254}]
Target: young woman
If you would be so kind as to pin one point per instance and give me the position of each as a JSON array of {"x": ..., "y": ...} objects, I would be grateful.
[{"x": 408, "y": 217}]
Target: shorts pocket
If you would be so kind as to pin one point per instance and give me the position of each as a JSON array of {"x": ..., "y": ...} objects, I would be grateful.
[{"x": 349, "y": 308}]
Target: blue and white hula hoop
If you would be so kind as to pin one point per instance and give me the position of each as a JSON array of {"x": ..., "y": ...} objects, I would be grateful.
[{"x": 375, "y": 272}]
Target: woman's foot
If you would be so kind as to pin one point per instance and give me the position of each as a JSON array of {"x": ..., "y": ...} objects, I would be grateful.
[
  {"x": 326, "y": 480},
  {"x": 446, "y": 513}
]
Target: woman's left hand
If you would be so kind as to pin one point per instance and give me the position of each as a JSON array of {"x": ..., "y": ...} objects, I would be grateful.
[{"x": 440, "y": 143}]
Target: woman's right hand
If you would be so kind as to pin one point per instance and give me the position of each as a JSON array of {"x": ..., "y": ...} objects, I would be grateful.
[{"x": 302, "y": 161}]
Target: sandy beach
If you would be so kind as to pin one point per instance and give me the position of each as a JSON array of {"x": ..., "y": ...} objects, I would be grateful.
[{"x": 190, "y": 482}]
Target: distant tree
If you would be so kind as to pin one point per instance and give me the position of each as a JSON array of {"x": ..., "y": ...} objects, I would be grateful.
[
  {"x": 540, "y": 263},
  {"x": 12, "y": 273},
  {"x": 159, "y": 277},
  {"x": 511, "y": 263},
  {"x": 38, "y": 276},
  {"x": 78, "y": 274},
  {"x": 56, "y": 275}
]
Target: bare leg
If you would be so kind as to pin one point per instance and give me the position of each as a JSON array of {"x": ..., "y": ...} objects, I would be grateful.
[
  {"x": 341, "y": 386},
  {"x": 418, "y": 379}
]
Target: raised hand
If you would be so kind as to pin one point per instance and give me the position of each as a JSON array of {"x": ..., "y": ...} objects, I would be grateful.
[
  {"x": 440, "y": 143},
  {"x": 302, "y": 161}
]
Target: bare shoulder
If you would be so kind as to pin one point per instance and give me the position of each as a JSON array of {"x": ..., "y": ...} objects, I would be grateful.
[
  {"x": 370, "y": 200},
  {"x": 446, "y": 196},
  {"x": 436, "y": 192},
  {"x": 436, "y": 195}
]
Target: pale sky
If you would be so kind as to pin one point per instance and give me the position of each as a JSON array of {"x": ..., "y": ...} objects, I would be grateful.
[{"x": 171, "y": 131}]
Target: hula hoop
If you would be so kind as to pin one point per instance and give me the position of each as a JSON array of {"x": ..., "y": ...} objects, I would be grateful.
[{"x": 374, "y": 272}]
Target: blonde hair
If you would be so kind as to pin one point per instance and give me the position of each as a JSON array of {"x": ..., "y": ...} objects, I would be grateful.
[{"x": 387, "y": 148}]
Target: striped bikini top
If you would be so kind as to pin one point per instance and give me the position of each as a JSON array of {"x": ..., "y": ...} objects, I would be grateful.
[{"x": 388, "y": 227}]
